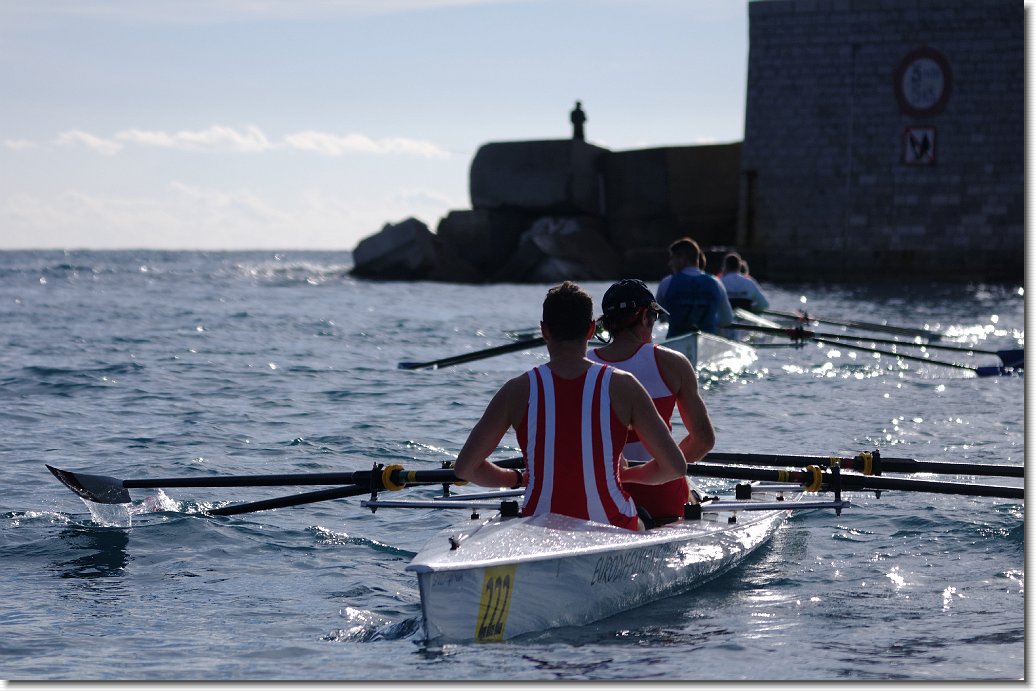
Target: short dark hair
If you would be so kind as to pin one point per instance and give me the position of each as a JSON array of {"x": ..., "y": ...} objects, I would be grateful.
[
  {"x": 688, "y": 248},
  {"x": 568, "y": 311},
  {"x": 732, "y": 262}
]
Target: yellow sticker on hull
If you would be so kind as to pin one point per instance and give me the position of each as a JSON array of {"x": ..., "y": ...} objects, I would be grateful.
[{"x": 497, "y": 585}]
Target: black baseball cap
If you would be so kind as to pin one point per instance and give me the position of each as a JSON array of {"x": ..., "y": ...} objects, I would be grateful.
[{"x": 629, "y": 294}]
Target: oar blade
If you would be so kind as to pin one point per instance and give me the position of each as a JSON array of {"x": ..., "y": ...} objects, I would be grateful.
[
  {"x": 1012, "y": 358},
  {"x": 414, "y": 365},
  {"x": 101, "y": 489},
  {"x": 997, "y": 371}
]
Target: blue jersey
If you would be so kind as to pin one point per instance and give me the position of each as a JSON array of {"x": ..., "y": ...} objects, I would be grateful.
[{"x": 693, "y": 302}]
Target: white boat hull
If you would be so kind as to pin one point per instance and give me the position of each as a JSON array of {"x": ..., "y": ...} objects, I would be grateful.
[
  {"x": 711, "y": 352},
  {"x": 511, "y": 576}
]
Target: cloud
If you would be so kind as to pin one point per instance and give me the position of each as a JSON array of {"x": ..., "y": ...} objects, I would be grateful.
[
  {"x": 186, "y": 216},
  {"x": 339, "y": 145},
  {"x": 92, "y": 142},
  {"x": 18, "y": 144},
  {"x": 215, "y": 138},
  {"x": 220, "y": 138}
]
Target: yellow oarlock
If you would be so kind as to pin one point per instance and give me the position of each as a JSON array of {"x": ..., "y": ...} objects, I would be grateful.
[
  {"x": 386, "y": 477},
  {"x": 868, "y": 463},
  {"x": 817, "y": 481}
]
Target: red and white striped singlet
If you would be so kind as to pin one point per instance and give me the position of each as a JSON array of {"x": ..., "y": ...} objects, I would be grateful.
[{"x": 572, "y": 439}]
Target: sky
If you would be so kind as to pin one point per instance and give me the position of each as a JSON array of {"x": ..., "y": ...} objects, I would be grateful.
[{"x": 310, "y": 124}]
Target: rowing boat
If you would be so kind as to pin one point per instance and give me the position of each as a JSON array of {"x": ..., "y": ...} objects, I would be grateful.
[
  {"x": 499, "y": 578},
  {"x": 712, "y": 352}
]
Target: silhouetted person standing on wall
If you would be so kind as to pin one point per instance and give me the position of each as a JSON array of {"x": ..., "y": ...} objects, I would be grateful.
[{"x": 578, "y": 117}]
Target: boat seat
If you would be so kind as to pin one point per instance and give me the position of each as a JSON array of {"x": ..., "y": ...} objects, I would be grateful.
[{"x": 645, "y": 516}]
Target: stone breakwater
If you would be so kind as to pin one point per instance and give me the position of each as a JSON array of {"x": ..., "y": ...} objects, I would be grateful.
[{"x": 545, "y": 211}]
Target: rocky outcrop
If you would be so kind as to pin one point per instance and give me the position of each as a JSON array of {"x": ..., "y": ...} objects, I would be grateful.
[
  {"x": 403, "y": 251},
  {"x": 546, "y": 211},
  {"x": 558, "y": 248}
]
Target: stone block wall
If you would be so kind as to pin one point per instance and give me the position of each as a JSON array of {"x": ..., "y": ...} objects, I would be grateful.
[{"x": 884, "y": 138}]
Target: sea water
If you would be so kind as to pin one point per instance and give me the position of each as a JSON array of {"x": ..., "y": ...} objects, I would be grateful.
[{"x": 144, "y": 364}]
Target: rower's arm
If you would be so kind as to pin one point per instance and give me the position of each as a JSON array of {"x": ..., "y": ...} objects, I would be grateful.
[
  {"x": 637, "y": 410},
  {"x": 701, "y": 436},
  {"x": 724, "y": 313},
  {"x": 472, "y": 463}
]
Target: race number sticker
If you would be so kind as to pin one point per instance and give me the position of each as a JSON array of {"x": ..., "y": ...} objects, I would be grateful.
[{"x": 497, "y": 585}]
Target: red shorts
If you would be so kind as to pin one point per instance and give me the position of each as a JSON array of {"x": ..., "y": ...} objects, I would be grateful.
[{"x": 661, "y": 501}]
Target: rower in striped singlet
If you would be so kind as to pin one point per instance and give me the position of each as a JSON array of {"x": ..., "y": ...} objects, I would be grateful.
[
  {"x": 571, "y": 440},
  {"x": 571, "y": 418}
]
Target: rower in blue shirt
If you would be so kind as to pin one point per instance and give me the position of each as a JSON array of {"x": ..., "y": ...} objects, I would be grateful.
[{"x": 694, "y": 299}]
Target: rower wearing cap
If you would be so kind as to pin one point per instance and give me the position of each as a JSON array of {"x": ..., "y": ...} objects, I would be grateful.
[{"x": 629, "y": 314}]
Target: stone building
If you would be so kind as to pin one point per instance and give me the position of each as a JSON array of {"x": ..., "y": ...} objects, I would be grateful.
[{"x": 884, "y": 138}]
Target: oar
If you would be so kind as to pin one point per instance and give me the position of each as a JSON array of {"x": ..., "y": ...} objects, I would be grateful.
[
  {"x": 291, "y": 500},
  {"x": 1011, "y": 358},
  {"x": 474, "y": 355},
  {"x": 826, "y": 480},
  {"x": 109, "y": 490},
  {"x": 888, "y": 328},
  {"x": 802, "y": 334},
  {"x": 870, "y": 463},
  {"x": 981, "y": 371}
]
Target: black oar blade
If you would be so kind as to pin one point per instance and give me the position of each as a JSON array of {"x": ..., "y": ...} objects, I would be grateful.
[
  {"x": 997, "y": 371},
  {"x": 102, "y": 489},
  {"x": 1012, "y": 358}
]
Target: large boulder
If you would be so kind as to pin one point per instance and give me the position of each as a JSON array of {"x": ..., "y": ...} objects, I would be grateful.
[
  {"x": 403, "y": 251},
  {"x": 546, "y": 177},
  {"x": 559, "y": 248},
  {"x": 481, "y": 239}
]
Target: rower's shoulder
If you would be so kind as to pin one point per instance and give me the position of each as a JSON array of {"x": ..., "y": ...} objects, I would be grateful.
[
  {"x": 676, "y": 369},
  {"x": 621, "y": 378},
  {"x": 668, "y": 356}
]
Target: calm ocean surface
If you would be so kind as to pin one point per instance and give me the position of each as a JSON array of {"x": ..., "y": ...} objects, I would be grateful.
[{"x": 138, "y": 364}]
